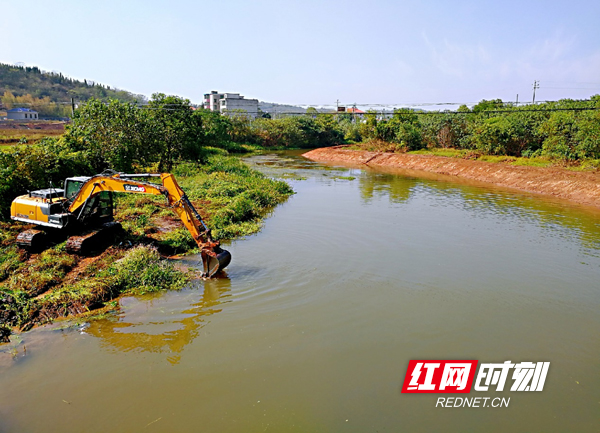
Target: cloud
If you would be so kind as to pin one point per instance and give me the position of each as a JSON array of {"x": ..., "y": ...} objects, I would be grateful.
[
  {"x": 457, "y": 60},
  {"x": 557, "y": 60}
]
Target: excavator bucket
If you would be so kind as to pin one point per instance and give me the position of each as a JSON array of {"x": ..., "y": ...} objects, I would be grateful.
[{"x": 212, "y": 265}]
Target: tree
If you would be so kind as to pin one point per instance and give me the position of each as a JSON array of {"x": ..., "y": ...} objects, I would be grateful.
[
  {"x": 173, "y": 129},
  {"x": 312, "y": 112},
  {"x": 485, "y": 105},
  {"x": 112, "y": 135}
]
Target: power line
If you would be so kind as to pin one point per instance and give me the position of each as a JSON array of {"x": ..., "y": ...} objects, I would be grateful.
[
  {"x": 574, "y": 88},
  {"x": 422, "y": 104},
  {"x": 518, "y": 107},
  {"x": 574, "y": 82}
]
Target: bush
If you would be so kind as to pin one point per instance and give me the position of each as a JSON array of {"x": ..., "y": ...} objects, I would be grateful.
[
  {"x": 566, "y": 129},
  {"x": 293, "y": 132},
  {"x": 403, "y": 129},
  {"x": 572, "y": 136},
  {"x": 36, "y": 166},
  {"x": 142, "y": 271}
]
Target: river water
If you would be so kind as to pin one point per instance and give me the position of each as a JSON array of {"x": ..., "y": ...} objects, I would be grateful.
[{"x": 314, "y": 325}]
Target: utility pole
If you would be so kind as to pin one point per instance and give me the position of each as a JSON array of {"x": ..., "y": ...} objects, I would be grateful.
[
  {"x": 517, "y": 100},
  {"x": 72, "y": 107},
  {"x": 536, "y": 85}
]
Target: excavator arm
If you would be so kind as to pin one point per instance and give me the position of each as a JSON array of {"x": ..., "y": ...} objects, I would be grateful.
[{"x": 214, "y": 258}]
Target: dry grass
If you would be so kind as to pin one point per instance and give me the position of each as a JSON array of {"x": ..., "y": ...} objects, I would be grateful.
[
  {"x": 12, "y": 133},
  {"x": 18, "y": 136}
]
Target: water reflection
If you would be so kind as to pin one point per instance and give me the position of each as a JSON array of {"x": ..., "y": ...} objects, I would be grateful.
[
  {"x": 384, "y": 185},
  {"x": 162, "y": 323},
  {"x": 556, "y": 218}
]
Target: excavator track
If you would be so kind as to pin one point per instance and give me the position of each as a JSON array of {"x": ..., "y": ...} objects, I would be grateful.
[
  {"x": 93, "y": 239},
  {"x": 31, "y": 240}
]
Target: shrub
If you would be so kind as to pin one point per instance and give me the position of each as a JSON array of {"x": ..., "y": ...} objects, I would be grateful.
[{"x": 142, "y": 271}]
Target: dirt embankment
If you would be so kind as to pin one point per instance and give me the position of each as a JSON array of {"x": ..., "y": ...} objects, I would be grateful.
[{"x": 579, "y": 187}]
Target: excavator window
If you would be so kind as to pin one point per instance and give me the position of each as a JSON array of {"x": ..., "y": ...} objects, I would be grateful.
[
  {"x": 72, "y": 188},
  {"x": 105, "y": 204},
  {"x": 100, "y": 206}
]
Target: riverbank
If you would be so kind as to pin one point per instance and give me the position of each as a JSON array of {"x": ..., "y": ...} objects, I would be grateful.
[{"x": 575, "y": 186}]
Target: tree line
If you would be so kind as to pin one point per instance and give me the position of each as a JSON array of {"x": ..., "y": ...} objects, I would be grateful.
[
  {"x": 126, "y": 137},
  {"x": 566, "y": 129},
  {"x": 44, "y": 106}
]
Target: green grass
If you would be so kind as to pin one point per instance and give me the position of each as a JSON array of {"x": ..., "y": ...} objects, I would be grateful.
[
  {"x": 581, "y": 165},
  {"x": 137, "y": 271},
  {"x": 478, "y": 156},
  {"x": 11, "y": 259},
  {"x": 232, "y": 196},
  {"x": 450, "y": 153},
  {"x": 474, "y": 155},
  {"x": 586, "y": 165},
  {"x": 41, "y": 274},
  {"x": 177, "y": 241}
]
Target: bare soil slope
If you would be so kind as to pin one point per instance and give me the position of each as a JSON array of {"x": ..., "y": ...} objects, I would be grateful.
[{"x": 579, "y": 187}]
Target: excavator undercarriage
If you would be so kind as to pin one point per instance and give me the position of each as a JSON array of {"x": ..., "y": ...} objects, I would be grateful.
[
  {"x": 32, "y": 240},
  {"x": 93, "y": 239}
]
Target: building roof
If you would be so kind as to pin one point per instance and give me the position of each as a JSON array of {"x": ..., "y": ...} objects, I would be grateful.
[
  {"x": 21, "y": 110},
  {"x": 354, "y": 110}
]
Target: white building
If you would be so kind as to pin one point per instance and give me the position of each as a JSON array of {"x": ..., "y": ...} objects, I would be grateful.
[
  {"x": 211, "y": 101},
  {"x": 230, "y": 104},
  {"x": 21, "y": 114}
]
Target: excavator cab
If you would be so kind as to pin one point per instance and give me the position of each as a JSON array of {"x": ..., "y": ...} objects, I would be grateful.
[{"x": 100, "y": 207}]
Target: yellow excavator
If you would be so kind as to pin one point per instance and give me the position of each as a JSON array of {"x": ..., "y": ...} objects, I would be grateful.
[{"x": 84, "y": 210}]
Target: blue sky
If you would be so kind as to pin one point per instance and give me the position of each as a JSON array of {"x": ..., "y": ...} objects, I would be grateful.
[{"x": 315, "y": 52}]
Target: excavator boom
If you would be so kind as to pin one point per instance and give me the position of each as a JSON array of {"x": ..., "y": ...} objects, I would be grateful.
[{"x": 214, "y": 258}]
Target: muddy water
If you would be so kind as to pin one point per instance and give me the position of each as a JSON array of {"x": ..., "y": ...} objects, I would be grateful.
[{"x": 314, "y": 325}]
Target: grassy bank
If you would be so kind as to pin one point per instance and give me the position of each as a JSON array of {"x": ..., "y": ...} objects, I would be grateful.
[
  {"x": 37, "y": 288},
  {"x": 470, "y": 154}
]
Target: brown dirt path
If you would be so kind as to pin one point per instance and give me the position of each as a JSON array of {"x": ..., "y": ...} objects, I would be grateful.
[{"x": 579, "y": 187}]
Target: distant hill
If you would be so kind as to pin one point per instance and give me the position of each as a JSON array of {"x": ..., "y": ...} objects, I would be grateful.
[
  {"x": 272, "y": 108},
  {"x": 50, "y": 93}
]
